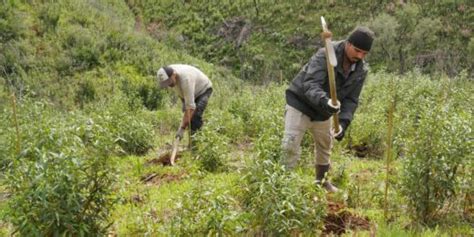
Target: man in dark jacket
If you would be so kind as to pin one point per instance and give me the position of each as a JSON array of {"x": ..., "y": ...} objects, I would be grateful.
[{"x": 308, "y": 102}]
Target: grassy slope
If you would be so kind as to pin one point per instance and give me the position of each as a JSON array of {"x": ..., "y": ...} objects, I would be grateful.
[
  {"x": 362, "y": 180},
  {"x": 144, "y": 208},
  {"x": 283, "y": 35}
]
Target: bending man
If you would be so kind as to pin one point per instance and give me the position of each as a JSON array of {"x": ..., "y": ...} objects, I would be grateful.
[{"x": 193, "y": 87}]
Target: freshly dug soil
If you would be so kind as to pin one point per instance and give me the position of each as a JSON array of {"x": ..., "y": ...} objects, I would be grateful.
[
  {"x": 158, "y": 179},
  {"x": 339, "y": 219}
]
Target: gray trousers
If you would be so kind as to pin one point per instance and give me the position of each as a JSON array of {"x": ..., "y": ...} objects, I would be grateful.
[{"x": 296, "y": 124}]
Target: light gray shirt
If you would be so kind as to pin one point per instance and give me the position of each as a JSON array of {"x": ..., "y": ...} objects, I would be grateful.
[{"x": 190, "y": 83}]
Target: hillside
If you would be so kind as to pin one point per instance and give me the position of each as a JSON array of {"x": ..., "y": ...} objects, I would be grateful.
[
  {"x": 86, "y": 131},
  {"x": 263, "y": 40}
]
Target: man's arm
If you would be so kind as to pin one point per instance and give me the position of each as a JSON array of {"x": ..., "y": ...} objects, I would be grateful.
[
  {"x": 188, "y": 114},
  {"x": 315, "y": 79},
  {"x": 351, "y": 102},
  {"x": 187, "y": 87}
]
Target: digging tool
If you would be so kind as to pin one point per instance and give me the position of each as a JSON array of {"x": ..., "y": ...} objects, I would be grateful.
[
  {"x": 175, "y": 150},
  {"x": 176, "y": 142},
  {"x": 331, "y": 63},
  {"x": 189, "y": 133}
]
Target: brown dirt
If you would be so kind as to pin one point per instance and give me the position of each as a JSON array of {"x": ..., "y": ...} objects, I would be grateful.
[
  {"x": 360, "y": 150},
  {"x": 303, "y": 41},
  {"x": 158, "y": 179},
  {"x": 136, "y": 199},
  {"x": 163, "y": 159},
  {"x": 237, "y": 30},
  {"x": 163, "y": 156},
  {"x": 339, "y": 219}
]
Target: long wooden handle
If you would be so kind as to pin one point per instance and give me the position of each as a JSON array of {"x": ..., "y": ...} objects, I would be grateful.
[
  {"x": 331, "y": 62},
  {"x": 175, "y": 150},
  {"x": 332, "y": 92},
  {"x": 190, "y": 142}
]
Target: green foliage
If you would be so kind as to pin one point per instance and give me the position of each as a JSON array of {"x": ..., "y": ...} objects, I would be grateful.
[
  {"x": 59, "y": 49},
  {"x": 130, "y": 128},
  {"x": 206, "y": 211},
  {"x": 282, "y": 203},
  {"x": 212, "y": 147},
  {"x": 420, "y": 36},
  {"x": 85, "y": 93},
  {"x": 268, "y": 146},
  {"x": 368, "y": 127},
  {"x": 12, "y": 25},
  {"x": 263, "y": 41},
  {"x": 144, "y": 88},
  {"x": 438, "y": 163},
  {"x": 340, "y": 177},
  {"x": 266, "y": 111},
  {"x": 102, "y": 56},
  {"x": 60, "y": 183},
  {"x": 8, "y": 140}
]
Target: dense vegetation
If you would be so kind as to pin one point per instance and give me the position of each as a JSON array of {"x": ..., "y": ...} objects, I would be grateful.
[
  {"x": 83, "y": 120},
  {"x": 265, "y": 40}
]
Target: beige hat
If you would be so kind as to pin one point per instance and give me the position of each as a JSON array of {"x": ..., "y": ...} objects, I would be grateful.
[{"x": 163, "y": 75}]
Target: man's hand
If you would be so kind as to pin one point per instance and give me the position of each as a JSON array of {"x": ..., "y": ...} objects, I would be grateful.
[
  {"x": 338, "y": 136},
  {"x": 326, "y": 34},
  {"x": 330, "y": 108},
  {"x": 180, "y": 133},
  {"x": 343, "y": 124}
]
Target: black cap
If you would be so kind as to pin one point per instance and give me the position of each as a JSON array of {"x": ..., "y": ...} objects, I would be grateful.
[{"x": 362, "y": 38}]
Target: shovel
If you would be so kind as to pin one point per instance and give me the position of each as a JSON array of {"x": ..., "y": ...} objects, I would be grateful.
[
  {"x": 175, "y": 145},
  {"x": 331, "y": 63},
  {"x": 175, "y": 150}
]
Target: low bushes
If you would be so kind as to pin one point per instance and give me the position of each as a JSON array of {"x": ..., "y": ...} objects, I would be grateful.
[
  {"x": 62, "y": 179},
  {"x": 282, "y": 203}
]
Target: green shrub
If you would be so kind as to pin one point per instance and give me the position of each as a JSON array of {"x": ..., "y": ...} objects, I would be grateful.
[
  {"x": 86, "y": 93},
  {"x": 203, "y": 211},
  {"x": 83, "y": 46},
  {"x": 268, "y": 146},
  {"x": 141, "y": 87},
  {"x": 212, "y": 148},
  {"x": 49, "y": 15},
  {"x": 12, "y": 25},
  {"x": 267, "y": 112},
  {"x": 438, "y": 163},
  {"x": 226, "y": 124},
  {"x": 60, "y": 185},
  {"x": 130, "y": 128},
  {"x": 7, "y": 139},
  {"x": 282, "y": 203},
  {"x": 134, "y": 135}
]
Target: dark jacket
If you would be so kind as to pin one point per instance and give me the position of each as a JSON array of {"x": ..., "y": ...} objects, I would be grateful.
[{"x": 310, "y": 88}]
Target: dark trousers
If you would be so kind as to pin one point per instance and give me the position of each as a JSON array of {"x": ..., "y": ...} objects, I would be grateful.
[{"x": 201, "y": 104}]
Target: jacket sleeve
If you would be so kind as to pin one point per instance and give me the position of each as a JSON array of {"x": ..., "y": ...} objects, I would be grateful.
[
  {"x": 315, "y": 78},
  {"x": 351, "y": 101}
]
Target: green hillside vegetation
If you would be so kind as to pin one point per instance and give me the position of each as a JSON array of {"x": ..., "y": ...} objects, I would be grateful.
[
  {"x": 84, "y": 123},
  {"x": 266, "y": 40}
]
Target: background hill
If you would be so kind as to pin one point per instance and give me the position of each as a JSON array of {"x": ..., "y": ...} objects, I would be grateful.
[
  {"x": 83, "y": 123},
  {"x": 261, "y": 39}
]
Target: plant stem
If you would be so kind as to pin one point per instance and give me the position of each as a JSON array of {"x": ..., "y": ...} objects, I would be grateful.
[
  {"x": 15, "y": 121},
  {"x": 389, "y": 154}
]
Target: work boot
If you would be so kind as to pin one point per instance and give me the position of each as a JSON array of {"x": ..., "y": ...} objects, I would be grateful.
[{"x": 321, "y": 171}]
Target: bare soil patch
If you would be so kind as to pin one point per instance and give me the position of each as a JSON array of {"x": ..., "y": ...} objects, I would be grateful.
[
  {"x": 158, "y": 179},
  {"x": 340, "y": 219}
]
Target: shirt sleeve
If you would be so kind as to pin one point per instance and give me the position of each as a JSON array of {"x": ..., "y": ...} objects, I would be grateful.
[{"x": 187, "y": 87}]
